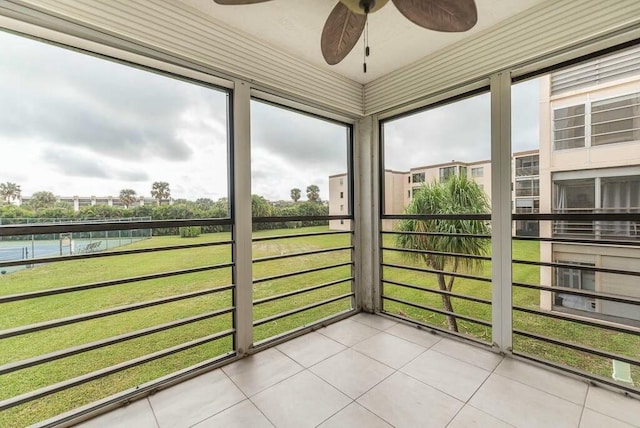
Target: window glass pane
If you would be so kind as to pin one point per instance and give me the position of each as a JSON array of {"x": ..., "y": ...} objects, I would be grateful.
[
  {"x": 302, "y": 269},
  {"x": 569, "y": 127},
  {"x": 601, "y": 177},
  {"x": 432, "y": 146},
  {"x": 89, "y": 144}
]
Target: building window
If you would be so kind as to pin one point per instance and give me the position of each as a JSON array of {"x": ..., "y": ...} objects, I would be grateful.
[
  {"x": 615, "y": 120},
  {"x": 463, "y": 171},
  {"x": 477, "y": 172},
  {"x": 341, "y": 195},
  {"x": 447, "y": 172},
  {"x": 527, "y": 227},
  {"x": 568, "y": 127},
  {"x": 418, "y": 177},
  {"x": 574, "y": 196},
  {"x": 578, "y": 279},
  {"x": 341, "y": 181},
  {"x": 620, "y": 195},
  {"x": 341, "y": 208},
  {"x": 527, "y": 165},
  {"x": 528, "y": 187},
  {"x": 408, "y": 193}
]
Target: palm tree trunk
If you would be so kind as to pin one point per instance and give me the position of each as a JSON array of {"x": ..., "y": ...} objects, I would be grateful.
[{"x": 446, "y": 303}]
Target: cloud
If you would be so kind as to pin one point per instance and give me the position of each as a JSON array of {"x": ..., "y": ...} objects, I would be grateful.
[{"x": 76, "y": 100}]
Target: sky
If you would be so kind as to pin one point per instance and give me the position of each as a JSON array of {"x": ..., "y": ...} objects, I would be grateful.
[{"x": 74, "y": 124}]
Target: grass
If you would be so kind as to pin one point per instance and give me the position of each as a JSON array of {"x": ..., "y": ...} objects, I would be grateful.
[{"x": 69, "y": 273}]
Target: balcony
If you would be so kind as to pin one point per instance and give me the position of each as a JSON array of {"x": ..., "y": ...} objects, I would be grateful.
[
  {"x": 375, "y": 372},
  {"x": 626, "y": 228}
]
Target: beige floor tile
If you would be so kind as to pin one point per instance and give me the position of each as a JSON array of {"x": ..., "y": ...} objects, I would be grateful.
[
  {"x": 389, "y": 349},
  {"x": 455, "y": 377},
  {"x": 406, "y": 402},
  {"x": 354, "y": 416},
  {"x": 310, "y": 349},
  {"x": 303, "y": 400},
  {"x": 470, "y": 417},
  {"x": 545, "y": 380},
  {"x": 192, "y": 401},
  {"x": 414, "y": 334},
  {"x": 524, "y": 406},
  {"x": 593, "y": 419},
  {"x": 468, "y": 353},
  {"x": 351, "y": 372},
  {"x": 374, "y": 321},
  {"x": 348, "y": 332},
  {"x": 615, "y": 405},
  {"x": 136, "y": 415},
  {"x": 262, "y": 370},
  {"x": 242, "y": 415}
]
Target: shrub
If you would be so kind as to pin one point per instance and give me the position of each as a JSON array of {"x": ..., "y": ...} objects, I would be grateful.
[{"x": 190, "y": 231}]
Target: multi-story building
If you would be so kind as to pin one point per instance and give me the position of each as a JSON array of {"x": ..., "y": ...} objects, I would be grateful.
[
  {"x": 590, "y": 163},
  {"x": 525, "y": 171},
  {"x": 86, "y": 201}
]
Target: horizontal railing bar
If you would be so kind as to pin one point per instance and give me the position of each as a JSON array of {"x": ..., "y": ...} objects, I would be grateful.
[
  {"x": 422, "y": 325},
  {"x": 107, "y": 312},
  {"x": 578, "y": 372},
  {"x": 300, "y": 291},
  {"x": 438, "y": 311},
  {"x": 80, "y": 380},
  {"x": 577, "y": 216},
  {"x": 44, "y": 229},
  {"x": 40, "y": 260},
  {"x": 302, "y": 253},
  {"x": 53, "y": 356},
  {"x": 468, "y": 235},
  {"x": 486, "y": 216},
  {"x": 300, "y": 218},
  {"x": 577, "y": 347},
  {"x": 577, "y": 292},
  {"x": 581, "y": 320},
  {"x": 580, "y": 267},
  {"x": 590, "y": 241},
  {"x": 437, "y": 253},
  {"x": 101, "y": 284},
  {"x": 443, "y": 272},
  {"x": 301, "y": 235},
  {"x": 301, "y": 309},
  {"x": 440, "y": 292},
  {"x": 300, "y": 272}
]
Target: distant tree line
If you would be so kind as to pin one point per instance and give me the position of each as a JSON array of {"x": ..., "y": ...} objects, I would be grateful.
[{"x": 44, "y": 205}]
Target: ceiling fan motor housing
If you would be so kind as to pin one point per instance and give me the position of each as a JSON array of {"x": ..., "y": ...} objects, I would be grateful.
[{"x": 362, "y": 7}]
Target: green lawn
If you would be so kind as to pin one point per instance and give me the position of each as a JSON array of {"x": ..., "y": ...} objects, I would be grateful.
[{"x": 69, "y": 273}]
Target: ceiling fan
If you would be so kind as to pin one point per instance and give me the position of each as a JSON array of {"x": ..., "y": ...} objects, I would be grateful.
[{"x": 347, "y": 20}]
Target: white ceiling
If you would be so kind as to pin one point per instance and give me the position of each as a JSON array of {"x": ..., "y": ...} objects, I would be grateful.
[{"x": 295, "y": 26}]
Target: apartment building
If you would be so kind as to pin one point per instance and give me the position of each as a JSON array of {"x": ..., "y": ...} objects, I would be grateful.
[{"x": 590, "y": 163}]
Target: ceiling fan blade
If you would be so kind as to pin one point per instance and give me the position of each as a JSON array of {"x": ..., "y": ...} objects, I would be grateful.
[
  {"x": 440, "y": 15},
  {"x": 238, "y": 2},
  {"x": 340, "y": 33}
]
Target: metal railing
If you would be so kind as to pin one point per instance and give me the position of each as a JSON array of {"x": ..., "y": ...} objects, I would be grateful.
[
  {"x": 412, "y": 291},
  {"x": 133, "y": 297},
  {"x": 302, "y": 280},
  {"x": 576, "y": 316}
]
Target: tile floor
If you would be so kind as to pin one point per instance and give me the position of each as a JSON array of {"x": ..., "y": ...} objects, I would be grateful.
[{"x": 369, "y": 371}]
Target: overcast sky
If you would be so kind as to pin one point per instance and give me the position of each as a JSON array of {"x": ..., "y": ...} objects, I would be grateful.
[{"x": 74, "y": 124}]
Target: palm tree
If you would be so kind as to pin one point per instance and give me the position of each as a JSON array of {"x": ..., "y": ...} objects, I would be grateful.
[
  {"x": 313, "y": 193},
  {"x": 127, "y": 197},
  {"x": 160, "y": 190},
  {"x": 456, "y": 195},
  {"x": 295, "y": 194},
  {"x": 9, "y": 191},
  {"x": 42, "y": 200}
]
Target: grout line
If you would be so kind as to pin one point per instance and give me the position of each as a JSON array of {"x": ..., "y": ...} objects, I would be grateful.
[{"x": 153, "y": 412}]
